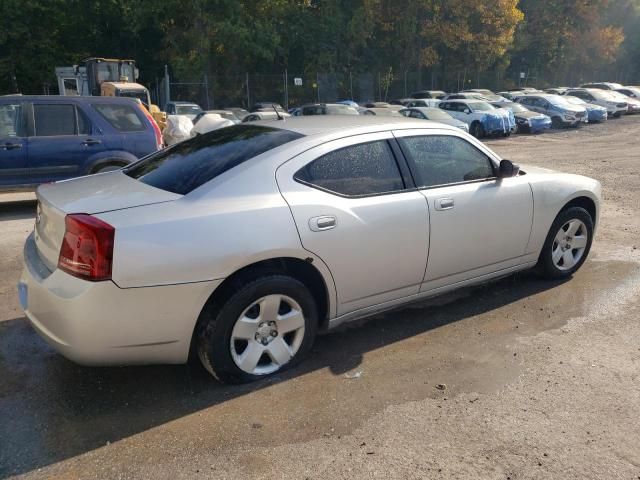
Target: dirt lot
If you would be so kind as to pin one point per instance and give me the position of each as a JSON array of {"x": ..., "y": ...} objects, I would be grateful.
[{"x": 537, "y": 379}]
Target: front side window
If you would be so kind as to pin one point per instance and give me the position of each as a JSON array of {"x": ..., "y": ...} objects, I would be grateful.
[
  {"x": 123, "y": 118},
  {"x": 443, "y": 160},
  {"x": 11, "y": 120},
  {"x": 54, "y": 120},
  {"x": 189, "y": 164},
  {"x": 357, "y": 170}
]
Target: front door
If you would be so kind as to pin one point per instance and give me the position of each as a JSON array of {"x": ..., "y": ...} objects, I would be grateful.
[
  {"x": 13, "y": 145},
  {"x": 352, "y": 210},
  {"x": 479, "y": 223}
]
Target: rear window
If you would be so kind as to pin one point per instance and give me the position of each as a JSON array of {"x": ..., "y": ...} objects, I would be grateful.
[
  {"x": 189, "y": 164},
  {"x": 123, "y": 118}
]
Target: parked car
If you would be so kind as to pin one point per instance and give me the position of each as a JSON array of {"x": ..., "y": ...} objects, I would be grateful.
[
  {"x": 486, "y": 94},
  {"x": 189, "y": 109},
  {"x": 482, "y": 118},
  {"x": 465, "y": 96},
  {"x": 595, "y": 113},
  {"x": 266, "y": 106},
  {"x": 633, "y": 104},
  {"x": 602, "y": 85},
  {"x": 632, "y": 92},
  {"x": 210, "y": 122},
  {"x": 434, "y": 114},
  {"x": 240, "y": 113},
  {"x": 350, "y": 103},
  {"x": 615, "y": 107},
  {"x": 225, "y": 114},
  {"x": 562, "y": 113},
  {"x": 526, "y": 120},
  {"x": 180, "y": 252},
  {"x": 423, "y": 102},
  {"x": 481, "y": 91},
  {"x": 428, "y": 94},
  {"x": 266, "y": 115},
  {"x": 49, "y": 138},
  {"x": 327, "y": 109},
  {"x": 556, "y": 90}
]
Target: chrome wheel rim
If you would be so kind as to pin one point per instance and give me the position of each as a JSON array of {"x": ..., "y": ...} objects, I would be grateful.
[
  {"x": 267, "y": 335},
  {"x": 569, "y": 244}
]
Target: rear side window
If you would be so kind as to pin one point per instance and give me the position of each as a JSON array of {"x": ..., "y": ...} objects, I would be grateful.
[
  {"x": 123, "y": 118},
  {"x": 443, "y": 160},
  {"x": 11, "y": 120},
  {"x": 365, "y": 169},
  {"x": 54, "y": 120},
  {"x": 189, "y": 164}
]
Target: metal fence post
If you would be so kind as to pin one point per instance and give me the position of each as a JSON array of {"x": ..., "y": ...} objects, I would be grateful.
[
  {"x": 248, "y": 96},
  {"x": 167, "y": 86}
]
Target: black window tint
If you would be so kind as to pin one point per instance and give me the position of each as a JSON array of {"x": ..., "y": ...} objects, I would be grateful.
[
  {"x": 189, "y": 164},
  {"x": 53, "y": 120},
  {"x": 123, "y": 118},
  {"x": 441, "y": 160},
  {"x": 11, "y": 120},
  {"x": 365, "y": 169}
]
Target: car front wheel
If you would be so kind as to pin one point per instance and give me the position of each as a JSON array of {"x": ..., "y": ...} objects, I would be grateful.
[
  {"x": 567, "y": 244},
  {"x": 266, "y": 326}
]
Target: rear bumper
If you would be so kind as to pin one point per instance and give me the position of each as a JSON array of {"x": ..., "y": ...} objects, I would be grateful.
[{"x": 98, "y": 323}]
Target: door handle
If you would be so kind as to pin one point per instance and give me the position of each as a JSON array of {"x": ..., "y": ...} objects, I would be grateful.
[
  {"x": 10, "y": 146},
  {"x": 324, "y": 222},
  {"x": 90, "y": 141},
  {"x": 444, "y": 203}
]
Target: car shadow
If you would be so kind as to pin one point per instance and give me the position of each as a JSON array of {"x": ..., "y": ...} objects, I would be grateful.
[
  {"x": 54, "y": 410},
  {"x": 17, "y": 210}
]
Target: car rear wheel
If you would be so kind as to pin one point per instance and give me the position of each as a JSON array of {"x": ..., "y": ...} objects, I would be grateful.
[
  {"x": 567, "y": 244},
  {"x": 263, "y": 328},
  {"x": 108, "y": 167}
]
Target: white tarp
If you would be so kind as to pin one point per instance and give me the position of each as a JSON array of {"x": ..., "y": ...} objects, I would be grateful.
[{"x": 178, "y": 128}]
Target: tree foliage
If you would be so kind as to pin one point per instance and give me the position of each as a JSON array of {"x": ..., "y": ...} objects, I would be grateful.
[{"x": 560, "y": 40}]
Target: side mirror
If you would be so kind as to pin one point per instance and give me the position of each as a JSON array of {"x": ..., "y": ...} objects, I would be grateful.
[
  {"x": 508, "y": 169},
  {"x": 467, "y": 111}
]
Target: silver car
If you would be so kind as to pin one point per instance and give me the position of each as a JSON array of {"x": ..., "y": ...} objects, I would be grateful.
[{"x": 243, "y": 243}]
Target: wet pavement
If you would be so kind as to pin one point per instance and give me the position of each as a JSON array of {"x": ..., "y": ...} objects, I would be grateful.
[{"x": 520, "y": 378}]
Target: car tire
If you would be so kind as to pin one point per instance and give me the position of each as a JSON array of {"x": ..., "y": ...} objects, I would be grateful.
[
  {"x": 567, "y": 244},
  {"x": 477, "y": 130},
  {"x": 265, "y": 327},
  {"x": 556, "y": 122}
]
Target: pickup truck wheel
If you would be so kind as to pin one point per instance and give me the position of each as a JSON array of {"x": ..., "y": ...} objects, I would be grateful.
[
  {"x": 264, "y": 327},
  {"x": 567, "y": 245}
]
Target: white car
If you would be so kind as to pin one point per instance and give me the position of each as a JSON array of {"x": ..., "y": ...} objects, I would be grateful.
[
  {"x": 243, "y": 243},
  {"x": 266, "y": 115},
  {"x": 482, "y": 118},
  {"x": 615, "y": 106},
  {"x": 423, "y": 102}
]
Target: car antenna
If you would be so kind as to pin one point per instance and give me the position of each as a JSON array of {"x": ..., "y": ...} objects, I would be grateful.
[{"x": 280, "y": 117}]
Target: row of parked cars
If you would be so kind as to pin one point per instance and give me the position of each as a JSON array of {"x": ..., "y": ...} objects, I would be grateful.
[{"x": 50, "y": 138}]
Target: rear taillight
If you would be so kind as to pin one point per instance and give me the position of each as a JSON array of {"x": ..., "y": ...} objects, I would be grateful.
[
  {"x": 156, "y": 128},
  {"x": 87, "y": 247}
]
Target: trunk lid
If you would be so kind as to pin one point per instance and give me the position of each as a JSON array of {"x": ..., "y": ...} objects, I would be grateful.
[{"x": 93, "y": 194}]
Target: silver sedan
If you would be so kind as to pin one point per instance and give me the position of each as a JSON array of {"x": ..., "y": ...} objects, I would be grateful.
[{"x": 241, "y": 244}]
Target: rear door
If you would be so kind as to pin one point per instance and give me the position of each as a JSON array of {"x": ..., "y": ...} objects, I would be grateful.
[
  {"x": 60, "y": 141},
  {"x": 353, "y": 210},
  {"x": 126, "y": 127},
  {"x": 13, "y": 144}
]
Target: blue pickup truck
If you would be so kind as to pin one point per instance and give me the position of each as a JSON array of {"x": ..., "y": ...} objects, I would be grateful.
[{"x": 49, "y": 138}]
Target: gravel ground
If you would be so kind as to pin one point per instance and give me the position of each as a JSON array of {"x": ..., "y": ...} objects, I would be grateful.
[{"x": 517, "y": 379}]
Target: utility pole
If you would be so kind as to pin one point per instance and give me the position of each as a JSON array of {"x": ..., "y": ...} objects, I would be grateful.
[
  {"x": 248, "y": 95},
  {"x": 167, "y": 86}
]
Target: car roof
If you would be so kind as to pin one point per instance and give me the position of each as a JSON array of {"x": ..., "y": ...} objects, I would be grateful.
[
  {"x": 180, "y": 102},
  {"x": 466, "y": 100},
  {"x": 346, "y": 124}
]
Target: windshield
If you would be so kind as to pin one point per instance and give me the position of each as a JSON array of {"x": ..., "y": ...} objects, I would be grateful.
[
  {"x": 515, "y": 107},
  {"x": 188, "y": 109},
  {"x": 341, "y": 110},
  {"x": 481, "y": 107},
  {"x": 575, "y": 100},
  {"x": 437, "y": 114},
  {"x": 189, "y": 164}
]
